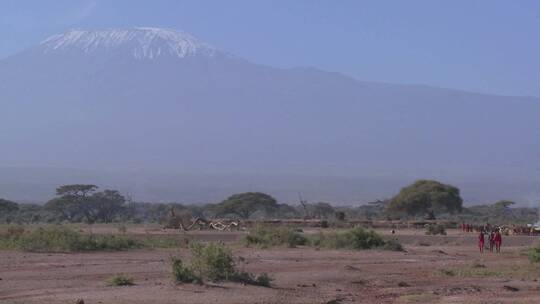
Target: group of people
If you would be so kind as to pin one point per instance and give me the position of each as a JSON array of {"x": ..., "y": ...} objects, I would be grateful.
[
  {"x": 466, "y": 227},
  {"x": 494, "y": 239}
]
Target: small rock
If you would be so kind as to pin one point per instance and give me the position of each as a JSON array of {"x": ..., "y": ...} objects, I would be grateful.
[{"x": 79, "y": 301}]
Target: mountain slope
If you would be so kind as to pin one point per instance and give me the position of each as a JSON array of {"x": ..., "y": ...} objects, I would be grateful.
[{"x": 154, "y": 99}]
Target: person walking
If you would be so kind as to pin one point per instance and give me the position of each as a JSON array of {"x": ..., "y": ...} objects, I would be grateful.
[
  {"x": 481, "y": 241},
  {"x": 498, "y": 241},
  {"x": 491, "y": 240}
]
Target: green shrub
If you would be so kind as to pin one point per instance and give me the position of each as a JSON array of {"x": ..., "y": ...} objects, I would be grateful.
[
  {"x": 357, "y": 238},
  {"x": 434, "y": 229},
  {"x": 182, "y": 274},
  {"x": 270, "y": 236},
  {"x": 10, "y": 236},
  {"x": 212, "y": 262},
  {"x": 534, "y": 254},
  {"x": 61, "y": 239},
  {"x": 120, "y": 280}
]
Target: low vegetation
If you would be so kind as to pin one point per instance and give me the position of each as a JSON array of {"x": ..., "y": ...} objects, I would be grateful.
[
  {"x": 534, "y": 254},
  {"x": 213, "y": 262},
  {"x": 182, "y": 273},
  {"x": 61, "y": 239},
  {"x": 120, "y": 280},
  {"x": 477, "y": 270},
  {"x": 264, "y": 236},
  {"x": 435, "y": 229},
  {"x": 356, "y": 238}
]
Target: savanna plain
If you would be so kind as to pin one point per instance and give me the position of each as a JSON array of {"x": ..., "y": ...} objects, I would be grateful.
[{"x": 428, "y": 269}]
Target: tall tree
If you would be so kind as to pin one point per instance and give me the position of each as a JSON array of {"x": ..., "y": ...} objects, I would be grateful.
[
  {"x": 426, "y": 196},
  {"x": 245, "y": 204},
  {"x": 73, "y": 201},
  {"x": 81, "y": 201},
  {"x": 107, "y": 205}
]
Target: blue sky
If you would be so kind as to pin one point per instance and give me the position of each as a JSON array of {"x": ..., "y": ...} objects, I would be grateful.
[{"x": 486, "y": 46}]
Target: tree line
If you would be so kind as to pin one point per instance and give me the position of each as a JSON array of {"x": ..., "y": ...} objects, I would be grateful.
[{"x": 422, "y": 199}]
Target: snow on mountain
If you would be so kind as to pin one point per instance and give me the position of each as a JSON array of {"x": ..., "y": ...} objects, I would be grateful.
[
  {"x": 142, "y": 43},
  {"x": 96, "y": 99}
]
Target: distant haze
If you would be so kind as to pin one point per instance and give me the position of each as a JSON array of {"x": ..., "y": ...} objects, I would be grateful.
[{"x": 166, "y": 117}]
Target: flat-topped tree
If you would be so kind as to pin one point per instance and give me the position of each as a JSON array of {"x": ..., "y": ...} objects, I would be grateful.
[
  {"x": 245, "y": 204},
  {"x": 77, "y": 190},
  {"x": 80, "y": 201},
  {"x": 425, "y": 196}
]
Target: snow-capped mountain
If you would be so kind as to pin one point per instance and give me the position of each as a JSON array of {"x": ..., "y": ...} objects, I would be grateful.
[
  {"x": 141, "y": 43},
  {"x": 158, "y": 100}
]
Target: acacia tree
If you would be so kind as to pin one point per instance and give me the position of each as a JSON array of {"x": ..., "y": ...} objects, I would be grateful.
[
  {"x": 425, "y": 196},
  {"x": 245, "y": 204},
  {"x": 107, "y": 205},
  {"x": 80, "y": 201},
  {"x": 73, "y": 201}
]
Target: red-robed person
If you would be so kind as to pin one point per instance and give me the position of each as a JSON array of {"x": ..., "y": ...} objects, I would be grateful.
[
  {"x": 498, "y": 241},
  {"x": 491, "y": 240},
  {"x": 481, "y": 241}
]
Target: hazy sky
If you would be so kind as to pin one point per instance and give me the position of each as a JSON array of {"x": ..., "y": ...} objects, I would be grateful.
[{"x": 487, "y": 46}]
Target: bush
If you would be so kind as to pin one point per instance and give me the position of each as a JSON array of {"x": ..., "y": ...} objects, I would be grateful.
[
  {"x": 269, "y": 237},
  {"x": 357, "y": 238},
  {"x": 61, "y": 239},
  {"x": 182, "y": 274},
  {"x": 434, "y": 229},
  {"x": 10, "y": 236},
  {"x": 213, "y": 262},
  {"x": 120, "y": 280},
  {"x": 534, "y": 254}
]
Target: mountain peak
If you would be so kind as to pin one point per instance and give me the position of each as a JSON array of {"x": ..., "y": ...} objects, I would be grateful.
[{"x": 141, "y": 43}]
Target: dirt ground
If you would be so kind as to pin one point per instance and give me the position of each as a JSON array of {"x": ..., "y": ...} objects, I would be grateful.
[{"x": 441, "y": 269}]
